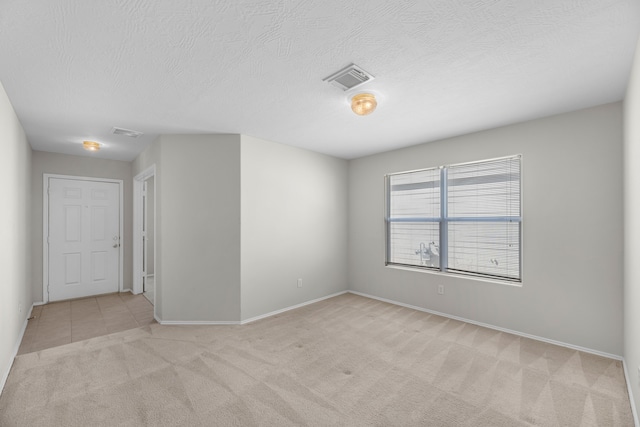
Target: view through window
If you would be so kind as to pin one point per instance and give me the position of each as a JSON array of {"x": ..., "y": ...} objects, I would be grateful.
[{"x": 463, "y": 218}]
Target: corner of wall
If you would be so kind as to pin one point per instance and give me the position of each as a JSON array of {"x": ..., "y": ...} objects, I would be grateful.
[
  {"x": 632, "y": 231},
  {"x": 293, "y": 239},
  {"x": 15, "y": 222},
  {"x": 198, "y": 227}
]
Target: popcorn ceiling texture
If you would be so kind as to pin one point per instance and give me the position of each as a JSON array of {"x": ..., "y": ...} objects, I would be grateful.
[{"x": 73, "y": 69}]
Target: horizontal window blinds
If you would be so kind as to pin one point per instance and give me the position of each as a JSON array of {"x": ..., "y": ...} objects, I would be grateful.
[
  {"x": 414, "y": 218},
  {"x": 484, "y": 189},
  {"x": 461, "y": 218},
  {"x": 415, "y": 194},
  {"x": 483, "y": 221}
]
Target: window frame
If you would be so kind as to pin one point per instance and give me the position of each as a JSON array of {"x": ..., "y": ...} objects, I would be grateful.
[{"x": 445, "y": 219}]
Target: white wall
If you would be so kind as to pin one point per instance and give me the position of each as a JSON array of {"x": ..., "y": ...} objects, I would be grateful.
[
  {"x": 632, "y": 228},
  {"x": 64, "y": 164},
  {"x": 198, "y": 227},
  {"x": 15, "y": 251},
  {"x": 572, "y": 219},
  {"x": 294, "y": 225}
]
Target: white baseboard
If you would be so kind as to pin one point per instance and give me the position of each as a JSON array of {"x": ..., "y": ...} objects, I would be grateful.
[
  {"x": 497, "y": 328},
  {"x": 16, "y": 347},
  {"x": 192, "y": 322},
  {"x": 243, "y": 322},
  {"x": 197, "y": 322},
  {"x": 632, "y": 402},
  {"x": 293, "y": 307}
]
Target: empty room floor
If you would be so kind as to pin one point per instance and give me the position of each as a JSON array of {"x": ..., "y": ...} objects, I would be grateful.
[
  {"x": 65, "y": 322},
  {"x": 344, "y": 361}
]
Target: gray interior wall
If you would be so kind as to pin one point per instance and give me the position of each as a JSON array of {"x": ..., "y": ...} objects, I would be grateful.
[
  {"x": 64, "y": 164},
  {"x": 149, "y": 157},
  {"x": 198, "y": 227},
  {"x": 294, "y": 225},
  {"x": 632, "y": 228},
  {"x": 15, "y": 251},
  {"x": 572, "y": 221}
]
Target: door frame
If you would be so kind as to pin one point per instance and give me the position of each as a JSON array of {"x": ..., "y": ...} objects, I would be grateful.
[
  {"x": 138, "y": 223},
  {"x": 45, "y": 227}
]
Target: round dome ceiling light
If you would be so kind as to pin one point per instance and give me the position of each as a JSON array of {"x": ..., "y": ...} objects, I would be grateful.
[
  {"x": 363, "y": 103},
  {"x": 90, "y": 145}
]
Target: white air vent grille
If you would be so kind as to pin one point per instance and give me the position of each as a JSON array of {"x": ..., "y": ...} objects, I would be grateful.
[
  {"x": 349, "y": 77},
  {"x": 126, "y": 132}
]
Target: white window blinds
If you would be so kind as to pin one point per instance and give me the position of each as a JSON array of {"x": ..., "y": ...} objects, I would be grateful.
[
  {"x": 415, "y": 212},
  {"x": 483, "y": 202},
  {"x": 462, "y": 218}
]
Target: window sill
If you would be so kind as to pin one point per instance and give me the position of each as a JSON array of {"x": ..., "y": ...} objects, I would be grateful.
[{"x": 456, "y": 276}]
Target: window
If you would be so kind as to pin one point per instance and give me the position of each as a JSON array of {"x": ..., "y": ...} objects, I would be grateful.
[{"x": 460, "y": 219}]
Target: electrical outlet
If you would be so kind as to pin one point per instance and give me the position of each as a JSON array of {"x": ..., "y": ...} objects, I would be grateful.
[
  {"x": 20, "y": 307},
  {"x": 299, "y": 283},
  {"x": 440, "y": 289}
]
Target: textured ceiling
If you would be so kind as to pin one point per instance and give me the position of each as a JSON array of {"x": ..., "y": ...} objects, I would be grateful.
[{"x": 75, "y": 69}]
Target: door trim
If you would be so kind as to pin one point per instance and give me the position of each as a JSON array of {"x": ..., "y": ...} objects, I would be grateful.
[
  {"x": 138, "y": 220},
  {"x": 45, "y": 227}
]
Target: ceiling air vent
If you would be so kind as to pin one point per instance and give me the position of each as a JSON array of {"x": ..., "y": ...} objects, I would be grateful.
[
  {"x": 126, "y": 132},
  {"x": 349, "y": 77}
]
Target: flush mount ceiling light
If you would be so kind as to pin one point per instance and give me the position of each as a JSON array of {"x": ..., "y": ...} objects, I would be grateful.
[
  {"x": 363, "y": 103},
  {"x": 90, "y": 145}
]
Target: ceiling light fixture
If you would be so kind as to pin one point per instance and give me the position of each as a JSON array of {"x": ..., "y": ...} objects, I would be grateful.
[
  {"x": 363, "y": 103},
  {"x": 90, "y": 145}
]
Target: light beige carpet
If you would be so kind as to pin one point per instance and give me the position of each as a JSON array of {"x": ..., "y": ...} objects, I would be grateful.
[{"x": 346, "y": 361}]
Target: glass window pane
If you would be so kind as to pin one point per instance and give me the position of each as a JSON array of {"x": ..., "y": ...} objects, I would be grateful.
[
  {"x": 482, "y": 225},
  {"x": 414, "y": 243},
  {"x": 415, "y": 194},
  {"x": 484, "y": 189},
  {"x": 491, "y": 248}
]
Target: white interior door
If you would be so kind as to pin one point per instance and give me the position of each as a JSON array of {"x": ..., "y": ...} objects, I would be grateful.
[{"x": 84, "y": 240}]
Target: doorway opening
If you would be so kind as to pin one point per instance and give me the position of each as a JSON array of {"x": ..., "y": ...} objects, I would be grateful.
[
  {"x": 148, "y": 238},
  {"x": 144, "y": 234}
]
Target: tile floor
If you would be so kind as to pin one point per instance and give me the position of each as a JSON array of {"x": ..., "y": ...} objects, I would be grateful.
[
  {"x": 65, "y": 322},
  {"x": 149, "y": 287}
]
